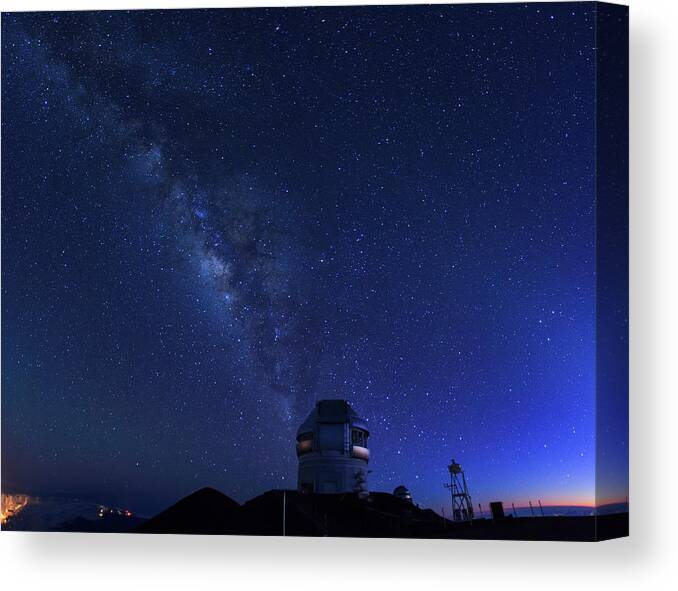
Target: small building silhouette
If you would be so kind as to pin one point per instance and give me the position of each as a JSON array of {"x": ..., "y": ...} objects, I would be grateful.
[{"x": 497, "y": 509}]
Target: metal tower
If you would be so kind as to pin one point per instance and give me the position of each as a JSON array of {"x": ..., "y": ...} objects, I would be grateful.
[{"x": 462, "y": 507}]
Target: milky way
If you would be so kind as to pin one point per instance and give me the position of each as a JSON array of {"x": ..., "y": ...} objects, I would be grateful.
[{"x": 212, "y": 219}]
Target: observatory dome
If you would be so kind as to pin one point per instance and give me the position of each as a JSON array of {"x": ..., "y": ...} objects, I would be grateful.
[
  {"x": 402, "y": 492},
  {"x": 332, "y": 450}
]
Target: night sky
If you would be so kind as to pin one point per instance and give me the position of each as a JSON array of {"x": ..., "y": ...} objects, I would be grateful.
[{"x": 211, "y": 219}]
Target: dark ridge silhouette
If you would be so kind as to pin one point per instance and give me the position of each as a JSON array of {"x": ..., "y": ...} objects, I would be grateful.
[
  {"x": 206, "y": 511},
  {"x": 382, "y": 515},
  {"x": 341, "y": 515}
]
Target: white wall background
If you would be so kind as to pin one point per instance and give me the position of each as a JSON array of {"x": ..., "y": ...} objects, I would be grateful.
[{"x": 646, "y": 560}]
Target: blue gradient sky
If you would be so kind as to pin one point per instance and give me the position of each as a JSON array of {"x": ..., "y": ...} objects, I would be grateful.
[{"x": 212, "y": 219}]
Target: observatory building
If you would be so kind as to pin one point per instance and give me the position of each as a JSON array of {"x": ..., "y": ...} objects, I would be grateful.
[
  {"x": 403, "y": 493},
  {"x": 332, "y": 450}
]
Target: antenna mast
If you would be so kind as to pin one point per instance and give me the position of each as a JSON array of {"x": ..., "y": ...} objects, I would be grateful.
[{"x": 462, "y": 507}]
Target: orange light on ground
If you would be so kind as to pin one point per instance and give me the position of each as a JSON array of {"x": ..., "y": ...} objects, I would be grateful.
[{"x": 10, "y": 505}]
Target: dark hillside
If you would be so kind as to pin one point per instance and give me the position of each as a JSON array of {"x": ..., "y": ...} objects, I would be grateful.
[
  {"x": 206, "y": 511},
  {"x": 382, "y": 515}
]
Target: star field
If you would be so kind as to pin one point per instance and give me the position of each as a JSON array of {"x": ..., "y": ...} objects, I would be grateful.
[{"x": 212, "y": 219}]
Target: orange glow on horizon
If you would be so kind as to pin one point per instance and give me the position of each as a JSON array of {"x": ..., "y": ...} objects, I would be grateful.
[
  {"x": 575, "y": 501},
  {"x": 10, "y": 505}
]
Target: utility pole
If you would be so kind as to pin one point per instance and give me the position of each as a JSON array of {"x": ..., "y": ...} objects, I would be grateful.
[{"x": 284, "y": 508}]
